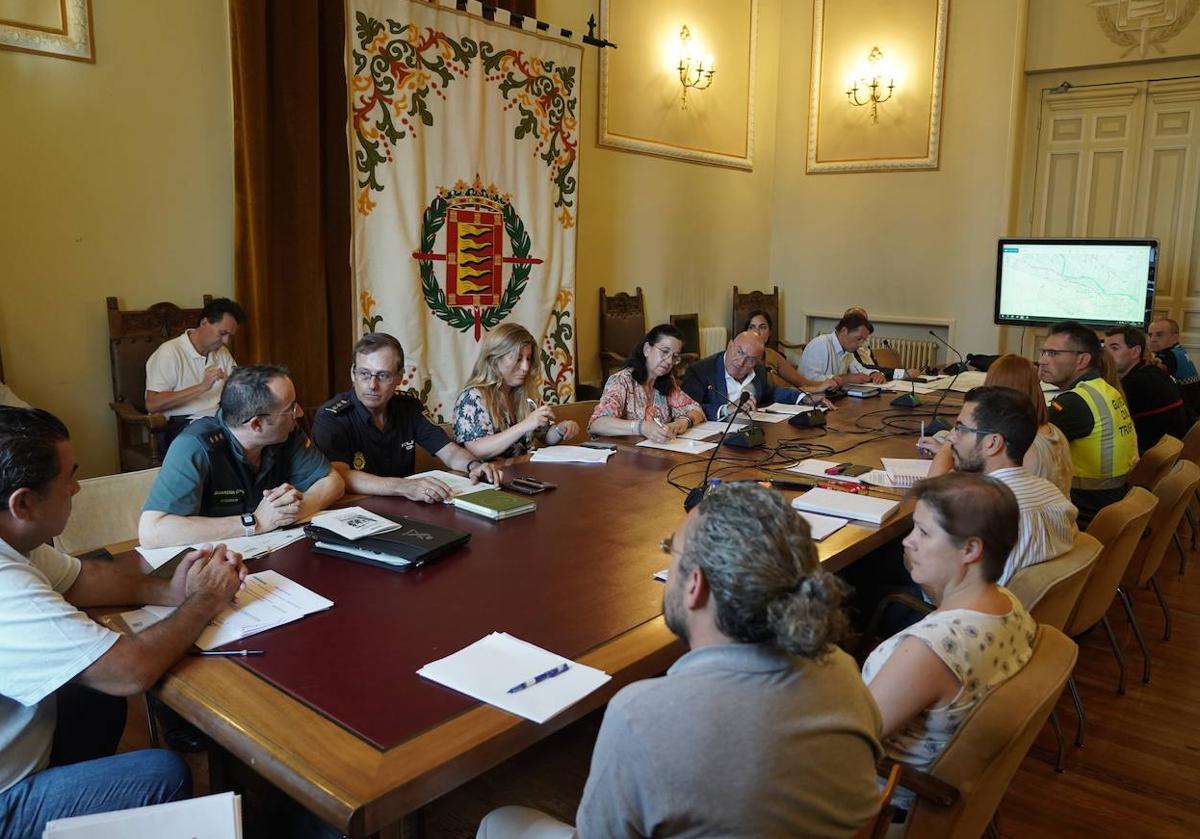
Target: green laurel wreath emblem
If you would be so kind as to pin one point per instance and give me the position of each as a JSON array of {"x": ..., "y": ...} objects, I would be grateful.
[{"x": 464, "y": 318}]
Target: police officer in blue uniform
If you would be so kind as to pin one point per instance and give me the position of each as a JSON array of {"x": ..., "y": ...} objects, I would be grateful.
[
  {"x": 250, "y": 469},
  {"x": 370, "y": 433}
]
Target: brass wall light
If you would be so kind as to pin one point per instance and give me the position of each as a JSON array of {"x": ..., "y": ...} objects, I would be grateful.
[
  {"x": 695, "y": 71},
  {"x": 870, "y": 90}
]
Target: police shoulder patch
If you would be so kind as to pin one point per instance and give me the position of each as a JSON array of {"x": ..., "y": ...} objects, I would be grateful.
[{"x": 339, "y": 407}]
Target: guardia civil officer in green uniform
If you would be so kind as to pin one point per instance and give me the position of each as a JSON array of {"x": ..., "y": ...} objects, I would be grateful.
[
  {"x": 370, "y": 433},
  {"x": 1092, "y": 415},
  {"x": 247, "y": 470}
]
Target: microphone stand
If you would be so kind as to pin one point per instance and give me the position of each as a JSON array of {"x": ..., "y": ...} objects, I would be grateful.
[
  {"x": 696, "y": 495},
  {"x": 937, "y": 424}
]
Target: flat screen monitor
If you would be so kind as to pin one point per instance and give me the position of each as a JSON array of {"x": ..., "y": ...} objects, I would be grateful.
[{"x": 1094, "y": 281}]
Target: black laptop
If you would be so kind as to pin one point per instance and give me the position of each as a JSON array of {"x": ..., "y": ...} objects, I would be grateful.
[{"x": 410, "y": 546}]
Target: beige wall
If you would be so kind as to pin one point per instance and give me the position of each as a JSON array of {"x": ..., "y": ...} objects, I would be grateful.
[
  {"x": 685, "y": 232},
  {"x": 905, "y": 244},
  {"x": 1069, "y": 33},
  {"x": 118, "y": 180}
]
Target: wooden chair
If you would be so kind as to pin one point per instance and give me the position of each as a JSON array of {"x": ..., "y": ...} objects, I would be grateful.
[
  {"x": 887, "y": 357},
  {"x": 1156, "y": 462},
  {"x": 745, "y": 303},
  {"x": 1119, "y": 528},
  {"x": 132, "y": 337},
  {"x": 1191, "y": 451},
  {"x": 980, "y": 761},
  {"x": 105, "y": 511},
  {"x": 877, "y": 828},
  {"x": 622, "y": 326},
  {"x": 1049, "y": 592},
  {"x": 1174, "y": 493}
]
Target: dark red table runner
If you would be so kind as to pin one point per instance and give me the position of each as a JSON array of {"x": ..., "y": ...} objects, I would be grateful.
[{"x": 569, "y": 577}]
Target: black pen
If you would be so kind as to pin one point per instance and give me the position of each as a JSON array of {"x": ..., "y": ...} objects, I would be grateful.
[{"x": 228, "y": 653}]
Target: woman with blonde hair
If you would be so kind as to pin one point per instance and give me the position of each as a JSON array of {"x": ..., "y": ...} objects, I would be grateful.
[
  {"x": 497, "y": 414},
  {"x": 1050, "y": 455}
]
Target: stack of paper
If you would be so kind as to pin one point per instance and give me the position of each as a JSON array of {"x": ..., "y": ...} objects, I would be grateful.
[
  {"x": 248, "y": 546},
  {"x": 850, "y": 505},
  {"x": 906, "y": 386},
  {"x": 785, "y": 408},
  {"x": 822, "y": 526},
  {"x": 767, "y": 416},
  {"x": 269, "y": 600},
  {"x": 962, "y": 383},
  {"x": 680, "y": 444},
  {"x": 487, "y": 669},
  {"x": 211, "y": 817},
  {"x": 571, "y": 454},
  {"x": 354, "y": 523}
]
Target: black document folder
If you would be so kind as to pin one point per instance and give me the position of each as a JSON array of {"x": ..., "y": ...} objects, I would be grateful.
[{"x": 411, "y": 545}]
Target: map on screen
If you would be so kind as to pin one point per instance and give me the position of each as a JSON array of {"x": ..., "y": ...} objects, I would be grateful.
[{"x": 1100, "y": 282}]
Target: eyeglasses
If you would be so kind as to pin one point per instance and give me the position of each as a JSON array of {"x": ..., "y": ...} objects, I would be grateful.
[
  {"x": 383, "y": 377},
  {"x": 1057, "y": 353},
  {"x": 666, "y": 353},
  {"x": 293, "y": 410},
  {"x": 739, "y": 353},
  {"x": 959, "y": 428}
]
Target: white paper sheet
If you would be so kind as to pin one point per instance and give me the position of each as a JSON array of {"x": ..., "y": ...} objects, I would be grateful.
[
  {"x": 662, "y": 575},
  {"x": 785, "y": 408},
  {"x": 680, "y": 444},
  {"x": 459, "y": 484},
  {"x": 964, "y": 382},
  {"x": 710, "y": 429},
  {"x": 249, "y": 547},
  {"x": 816, "y": 469},
  {"x": 269, "y": 600},
  {"x": 851, "y": 505},
  {"x": 823, "y": 526},
  {"x": 354, "y": 523},
  {"x": 210, "y": 817},
  {"x": 906, "y": 386},
  {"x": 766, "y": 416},
  {"x": 571, "y": 454},
  {"x": 486, "y": 670}
]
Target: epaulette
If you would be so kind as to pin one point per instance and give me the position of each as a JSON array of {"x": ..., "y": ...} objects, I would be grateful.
[
  {"x": 339, "y": 407},
  {"x": 214, "y": 439}
]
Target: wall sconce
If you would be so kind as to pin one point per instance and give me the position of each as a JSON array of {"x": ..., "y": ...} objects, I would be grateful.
[
  {"x": 695, "y": 72},
  {"x": 871, "y": 88}
]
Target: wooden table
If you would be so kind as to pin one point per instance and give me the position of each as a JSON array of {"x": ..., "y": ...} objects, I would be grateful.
[{"x": 616, "y": 514}]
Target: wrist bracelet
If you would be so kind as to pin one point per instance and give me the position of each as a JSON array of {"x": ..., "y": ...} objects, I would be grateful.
[
  {"x": 471, "y": 464},
  {"x": 639, "y": 428}
]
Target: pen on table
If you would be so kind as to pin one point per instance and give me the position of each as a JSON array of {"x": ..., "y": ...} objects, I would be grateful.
[
  {"x": 541, "y": 677},
  {"x": 227, "y": 653}
]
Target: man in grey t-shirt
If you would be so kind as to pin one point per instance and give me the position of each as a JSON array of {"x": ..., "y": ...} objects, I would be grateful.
[{"x": 763, "y": 729}]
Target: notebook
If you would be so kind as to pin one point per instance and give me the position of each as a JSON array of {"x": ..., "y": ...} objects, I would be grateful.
[
  {"x": 411, "y": 545},
  {"x": 847, "y": 505},
  {"x": 494, "y": 504}
]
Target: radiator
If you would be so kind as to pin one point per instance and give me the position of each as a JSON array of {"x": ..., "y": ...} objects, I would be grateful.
[
  {"x": 712, "y": 340},
  {"x": 914, "y": 353}
]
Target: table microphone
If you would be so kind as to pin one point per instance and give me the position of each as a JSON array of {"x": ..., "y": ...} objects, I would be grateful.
[
  {"x": 695, "y": 496},
  {"x": 908, "y": 400},
  {"x": 937, "y": 423},
  {"x": 750, "y": 437}
]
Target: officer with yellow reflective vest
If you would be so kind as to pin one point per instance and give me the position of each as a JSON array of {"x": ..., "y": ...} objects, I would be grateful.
[{"x": 1093, "y": 416}]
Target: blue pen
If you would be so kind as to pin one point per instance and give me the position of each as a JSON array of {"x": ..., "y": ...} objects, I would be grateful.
[{"x": 541, "y": 677}]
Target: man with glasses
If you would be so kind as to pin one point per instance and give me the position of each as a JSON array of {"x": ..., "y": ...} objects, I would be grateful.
[
  {"x": 995, "y": 428},
  {"x": 832, "y": 356},
  {"x": 248, "y": 470},
  {"x": 722, "y": 378},
  {"x": 371, "y": 433},
  {"x": 1092, "y": 415}
]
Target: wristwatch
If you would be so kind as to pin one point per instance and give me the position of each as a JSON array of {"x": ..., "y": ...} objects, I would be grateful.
[{"x": 248, "y": 524}]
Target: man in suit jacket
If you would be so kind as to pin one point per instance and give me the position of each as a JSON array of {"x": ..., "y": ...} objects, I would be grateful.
[{"x": 716, "y": 381}]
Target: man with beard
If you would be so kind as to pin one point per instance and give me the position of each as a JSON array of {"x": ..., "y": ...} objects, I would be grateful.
[
  {"x": 764, "y": 727},
  {"x": 995, "y": 428}
]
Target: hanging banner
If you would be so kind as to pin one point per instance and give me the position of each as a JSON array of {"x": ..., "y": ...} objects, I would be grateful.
[{"x": 465, "y": 155}]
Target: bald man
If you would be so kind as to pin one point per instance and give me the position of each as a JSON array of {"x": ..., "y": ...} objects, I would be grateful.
[
  {"x": 1163, "y": 340},
  {"x": 722, "y": 378}
]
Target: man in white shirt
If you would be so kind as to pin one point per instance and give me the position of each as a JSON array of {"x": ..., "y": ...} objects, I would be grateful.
[
  {"x": 831, "y": 356},
  {"x": 184, "y": 376},
  {"x": 995, "y": 428},
  {"x": 60, "y": 672}
]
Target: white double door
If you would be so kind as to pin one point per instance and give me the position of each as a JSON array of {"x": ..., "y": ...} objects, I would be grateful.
[{"x": 1121, "y": 160}]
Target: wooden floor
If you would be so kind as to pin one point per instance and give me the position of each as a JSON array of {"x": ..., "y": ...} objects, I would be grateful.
[{"x": 1138, "y": 774}]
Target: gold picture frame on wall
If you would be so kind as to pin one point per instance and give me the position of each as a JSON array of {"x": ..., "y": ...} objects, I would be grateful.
[
  {"x": 899, "y": 133},
  {"x": 717, "y": 127},
  {"x": 59, "y": 28}
]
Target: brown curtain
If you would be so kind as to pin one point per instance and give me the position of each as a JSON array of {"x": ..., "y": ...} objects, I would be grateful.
[{"x": 292, "y": 190}]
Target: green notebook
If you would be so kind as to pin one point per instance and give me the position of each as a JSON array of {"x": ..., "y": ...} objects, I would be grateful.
[{"x": 494, "y": 504}]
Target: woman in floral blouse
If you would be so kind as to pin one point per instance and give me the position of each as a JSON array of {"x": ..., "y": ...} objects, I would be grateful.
[
  {"x": 643, "y": 397},
  {"x": 497, "y": 414}
]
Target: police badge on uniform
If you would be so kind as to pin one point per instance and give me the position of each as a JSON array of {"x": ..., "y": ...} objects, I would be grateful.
[{"x": 360, "y": 461}]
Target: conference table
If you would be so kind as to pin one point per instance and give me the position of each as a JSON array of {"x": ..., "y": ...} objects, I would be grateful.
[{"x": 334, "y": 714}]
